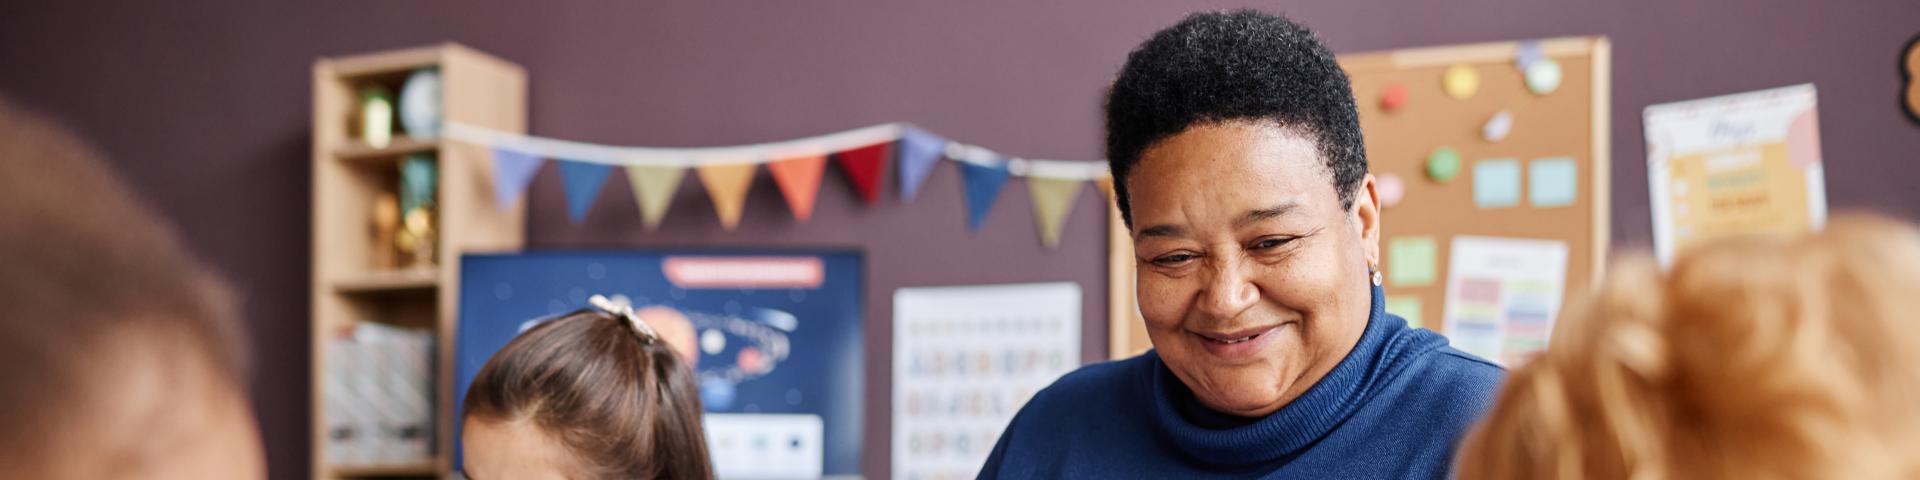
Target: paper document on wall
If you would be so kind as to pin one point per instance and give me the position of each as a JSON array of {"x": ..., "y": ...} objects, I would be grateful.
[
  {"x": 1503, "y": 295},
  {"x": 1731, "y": 165},
  {"x": 965, "y": 359}
]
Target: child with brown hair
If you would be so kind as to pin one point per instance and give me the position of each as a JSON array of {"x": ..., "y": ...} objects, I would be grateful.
[
  {"x": 595, "y": 394},
  {"x": 120, "y": 354},
  {"x": 1755, "y": 358}
]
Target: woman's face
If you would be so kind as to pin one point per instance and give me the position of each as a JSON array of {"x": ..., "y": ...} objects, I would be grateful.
[{"x": 1252, "y": 278}]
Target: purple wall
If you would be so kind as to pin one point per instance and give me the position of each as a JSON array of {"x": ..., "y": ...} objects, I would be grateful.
[{"x": 205, "y": 106}]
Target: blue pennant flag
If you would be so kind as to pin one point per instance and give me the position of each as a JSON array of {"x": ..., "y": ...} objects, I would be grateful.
[
  {"x": 512, "y": 172},
  {"x": 983, "y": 185},
  {"x": 919, "y": 151},
  {"x": 583, "y": 181}
]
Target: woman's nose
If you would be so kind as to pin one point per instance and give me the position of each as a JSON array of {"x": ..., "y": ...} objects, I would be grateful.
[{"x": 1229, "y": 290}]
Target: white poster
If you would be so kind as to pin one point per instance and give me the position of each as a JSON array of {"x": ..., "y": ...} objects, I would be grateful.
[
  {"x": 1731, "y": 165},
  {"x": 1503, "y": 295},
  {"x": 964, "y": 360}
]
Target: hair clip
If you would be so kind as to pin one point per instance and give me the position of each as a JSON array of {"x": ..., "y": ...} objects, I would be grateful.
[{"x": 625, "y": 313}]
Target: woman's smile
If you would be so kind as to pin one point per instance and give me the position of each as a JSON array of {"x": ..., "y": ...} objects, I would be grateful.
[{"x": 1239, "y": 344}]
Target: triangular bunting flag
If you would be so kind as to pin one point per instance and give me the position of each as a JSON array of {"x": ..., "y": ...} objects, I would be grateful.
[
  {"x": 862, "y": 167},
  {"x": 799, "y": 181},
  {"x": 1105, "y": 184},
  {"x": 653, "y": 188},
  {"x": 727, "y": 186},
  {"x": 983, "y": 184},
  {"x": 583, "y": 181},
  {"x": 1052, "y": 200},
  {"x": 512, "y": 173},
  {"x": 918, "y": 152}
]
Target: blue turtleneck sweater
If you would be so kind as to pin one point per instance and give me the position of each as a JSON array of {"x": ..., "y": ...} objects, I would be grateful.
[{"x": 1396, "y": 407}]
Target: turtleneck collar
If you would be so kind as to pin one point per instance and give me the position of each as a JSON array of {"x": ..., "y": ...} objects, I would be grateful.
[{"x": 1225, "y": 440}]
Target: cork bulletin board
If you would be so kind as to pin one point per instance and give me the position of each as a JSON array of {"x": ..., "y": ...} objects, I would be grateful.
[{"x": 1559, "y": 136}]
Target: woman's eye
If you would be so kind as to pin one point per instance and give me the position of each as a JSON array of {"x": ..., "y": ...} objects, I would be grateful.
[
  {"x": 1270, "y": 243},
  {"x": 1172, "y": 259}
]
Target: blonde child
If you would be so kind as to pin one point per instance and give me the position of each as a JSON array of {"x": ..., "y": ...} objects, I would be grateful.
[{"x": 1756, "y": 358}]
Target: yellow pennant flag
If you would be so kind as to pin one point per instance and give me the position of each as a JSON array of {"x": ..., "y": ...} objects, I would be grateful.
[
  {"x": 727, "y": 185},
  {"x": 653, "y": 188},
  {"x": 1105, "y": 184},
  {"x": 1052, "y": 200}
]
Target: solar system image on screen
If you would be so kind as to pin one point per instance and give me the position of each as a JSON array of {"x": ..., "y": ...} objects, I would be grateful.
[{"x": 778, "y": 336}]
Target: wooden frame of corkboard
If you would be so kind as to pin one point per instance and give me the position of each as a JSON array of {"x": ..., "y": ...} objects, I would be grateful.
[{"x": 1572, "y": 121}]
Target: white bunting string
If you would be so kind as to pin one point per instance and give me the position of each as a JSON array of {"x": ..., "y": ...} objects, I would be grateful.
[{"x": 762, "y": 152}]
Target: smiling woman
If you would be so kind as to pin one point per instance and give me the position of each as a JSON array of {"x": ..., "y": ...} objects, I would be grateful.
[
  {"x": 1246, "y": 265},
  {"x": 1240, "y": 171}
]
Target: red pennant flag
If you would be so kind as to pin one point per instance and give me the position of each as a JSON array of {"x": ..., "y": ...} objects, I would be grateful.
[
  {"x": 862, "y": 167},
  {"x": 799, "y": 181}
]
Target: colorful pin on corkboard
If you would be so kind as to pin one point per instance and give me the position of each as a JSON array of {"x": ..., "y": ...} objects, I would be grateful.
[
  {"x": 1394, "y": 97},
  {"x": 1443, "y": 164},
  {"x": 1460, "y": 81},
  {"x": 1497, "y": 128},
  {"x": 1543, "y": 76},
  {"x": 1390, "y": 188}
]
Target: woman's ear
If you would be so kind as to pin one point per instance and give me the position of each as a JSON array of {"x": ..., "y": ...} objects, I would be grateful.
[{"x": 1366, "y": 213}]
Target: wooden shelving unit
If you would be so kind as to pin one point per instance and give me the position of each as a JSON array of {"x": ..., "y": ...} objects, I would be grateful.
[{"x": 349, "y": 174}]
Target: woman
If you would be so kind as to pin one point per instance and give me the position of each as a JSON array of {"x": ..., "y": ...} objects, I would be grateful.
[{"x": 1239, "y": 168}]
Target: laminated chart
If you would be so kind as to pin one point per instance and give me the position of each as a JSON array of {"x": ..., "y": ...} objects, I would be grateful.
[{"x": 965, "y": 359}]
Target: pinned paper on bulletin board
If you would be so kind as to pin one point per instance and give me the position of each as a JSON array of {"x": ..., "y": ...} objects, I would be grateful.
[
  {"x": 1736, "y": 164},
  {"x": 1503, "y": 295}
]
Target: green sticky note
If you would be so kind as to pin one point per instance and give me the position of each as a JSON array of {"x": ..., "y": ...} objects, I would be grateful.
[
  {"x": 1496, "y": 183},
  {"x": 1407, "y": 307},
  {"x": 1410, "y": 260},
  {"x": 1552, "y": 182}
]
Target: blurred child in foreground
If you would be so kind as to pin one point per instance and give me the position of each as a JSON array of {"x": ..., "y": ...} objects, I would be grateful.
[
  {"x": 120, "y": 355},
  {"x": 1753, "y": 358}
]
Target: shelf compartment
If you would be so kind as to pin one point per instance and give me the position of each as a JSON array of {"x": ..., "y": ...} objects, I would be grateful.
[
  {"x": 427, "y": 469},
  {"x": 389, "y": 281},
  {"x": 358, "y": 151}
]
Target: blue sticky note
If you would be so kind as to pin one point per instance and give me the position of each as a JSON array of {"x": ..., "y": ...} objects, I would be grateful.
[
  {"x": 1496, "y": 183},
  {"x": 1552, "y": 182}
]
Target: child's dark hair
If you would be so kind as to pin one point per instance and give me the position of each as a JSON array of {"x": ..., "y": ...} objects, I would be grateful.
[{"x": 622, "y": 401}]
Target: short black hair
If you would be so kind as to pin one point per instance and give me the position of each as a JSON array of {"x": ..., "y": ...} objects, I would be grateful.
[{"x": 1242, "y": 65}]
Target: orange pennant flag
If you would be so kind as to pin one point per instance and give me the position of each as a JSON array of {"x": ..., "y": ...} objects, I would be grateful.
[
  {"x": 799, "y": 181},
  {"x": 727, "y": 185}
]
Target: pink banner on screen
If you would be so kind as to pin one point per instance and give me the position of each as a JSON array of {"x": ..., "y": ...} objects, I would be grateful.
[{"x": 744, "y": 272}]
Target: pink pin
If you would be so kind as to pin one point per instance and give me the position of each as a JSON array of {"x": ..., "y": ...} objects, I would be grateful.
[{"x": 1390, "y": 188}]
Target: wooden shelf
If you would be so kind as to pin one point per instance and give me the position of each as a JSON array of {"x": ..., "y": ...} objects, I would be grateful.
[
  {"x": 388, "y": 62},
  {"x": 357, "y": 150},
  {"x": 389, "y": 281},
  {"x": 415, "y": 469},
  {"x": 350, "y": 177}
]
